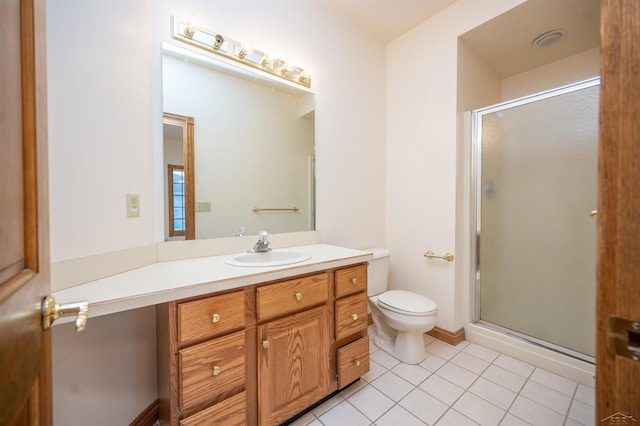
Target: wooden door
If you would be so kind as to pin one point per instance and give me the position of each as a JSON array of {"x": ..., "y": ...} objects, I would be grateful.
[
  {"x": 293, "y": 365},
  {"x": 25, "y": 396},
  {"x": 618, "y": 294}
]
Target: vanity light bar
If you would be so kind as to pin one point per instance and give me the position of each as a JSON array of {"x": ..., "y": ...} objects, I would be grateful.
[{"x": 241, "y": 52}]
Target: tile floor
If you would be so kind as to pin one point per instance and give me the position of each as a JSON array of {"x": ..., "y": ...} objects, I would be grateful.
[{"x": 461, "y": 385}]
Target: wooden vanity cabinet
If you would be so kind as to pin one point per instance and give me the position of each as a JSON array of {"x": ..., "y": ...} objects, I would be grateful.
[
  {"x": 294, "y": 363},
  {"x": 351, "y": 322},
  {"x": 261, "y": 354},
  {"x": 204, "y": 359}
]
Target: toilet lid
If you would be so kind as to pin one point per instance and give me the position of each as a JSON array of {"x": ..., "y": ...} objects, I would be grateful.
[{"x": 406, "y": 302}]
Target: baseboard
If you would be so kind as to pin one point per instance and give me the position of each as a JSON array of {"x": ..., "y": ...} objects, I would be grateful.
[
  {"x": 452, "y": 338},
  {"x": 149, "y": 415}
]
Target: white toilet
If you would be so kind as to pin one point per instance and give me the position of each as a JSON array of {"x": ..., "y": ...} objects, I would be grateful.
[{"x": 400, "y": 317}]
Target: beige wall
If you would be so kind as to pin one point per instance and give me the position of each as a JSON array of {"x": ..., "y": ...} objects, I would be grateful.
[
  {"x": 422, "y": 153},
  {"x": 428, "y": 159},
  {"x": 105, "y": 121},
  {"x": 390, "y": 162}
]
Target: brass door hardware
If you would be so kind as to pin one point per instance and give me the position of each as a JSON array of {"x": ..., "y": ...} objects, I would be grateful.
[
  {"x": 593, "y": 213},
  {"x": 51, "y": 311}
]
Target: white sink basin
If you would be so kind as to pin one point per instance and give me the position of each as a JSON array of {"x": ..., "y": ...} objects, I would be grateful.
[{"x": 269, "y": 258}]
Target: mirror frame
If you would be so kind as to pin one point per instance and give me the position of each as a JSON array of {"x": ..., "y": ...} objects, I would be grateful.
[{"x": 186, "y": 123}]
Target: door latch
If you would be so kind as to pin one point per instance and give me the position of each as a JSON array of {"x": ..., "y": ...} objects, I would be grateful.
[{"x": 623, "y": 338}]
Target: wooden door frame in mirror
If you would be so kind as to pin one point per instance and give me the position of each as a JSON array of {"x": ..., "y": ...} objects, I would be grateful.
[{"x": 188, "y": 161}]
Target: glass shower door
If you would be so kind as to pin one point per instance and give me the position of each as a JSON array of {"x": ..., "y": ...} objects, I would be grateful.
[{"x": 537, "y": 185}]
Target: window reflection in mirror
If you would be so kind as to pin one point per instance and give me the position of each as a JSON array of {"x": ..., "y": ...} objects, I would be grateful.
[{"x": 253, "y": 146}]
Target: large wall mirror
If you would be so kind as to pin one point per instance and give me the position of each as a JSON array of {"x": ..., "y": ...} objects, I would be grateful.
[{"x": 253, "y": 150}]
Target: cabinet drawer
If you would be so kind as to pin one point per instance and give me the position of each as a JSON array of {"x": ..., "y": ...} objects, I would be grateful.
[
  {"x": 230, "y": 412},
  {"x": 210, "y": 316},
  {"x": 351, "y": 315},
  {"x": 211, "y": 368},
  {"x": 353, "y": 361},
  {"x": 351, "y": 280},
  {"x": 285, "y": 297}
]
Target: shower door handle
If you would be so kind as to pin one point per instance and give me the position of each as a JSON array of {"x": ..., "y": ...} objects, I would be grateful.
[{"x": 623, "y": 338}]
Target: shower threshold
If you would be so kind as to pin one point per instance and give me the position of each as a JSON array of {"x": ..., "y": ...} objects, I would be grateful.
[{"x": 538, "y": 342}]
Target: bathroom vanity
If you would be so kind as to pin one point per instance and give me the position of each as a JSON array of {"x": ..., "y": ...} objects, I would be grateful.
[
  {"x": 262, "y": 353},
  {"x": 247, "y": 345}
]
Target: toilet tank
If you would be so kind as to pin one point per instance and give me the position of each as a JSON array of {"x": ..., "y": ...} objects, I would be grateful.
[{"x": 377, "y": 271}]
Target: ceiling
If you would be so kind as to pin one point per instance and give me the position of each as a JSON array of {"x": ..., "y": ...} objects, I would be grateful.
[
  {"x": 387, "y": 19},
  {"x": 503, "y": 43}
]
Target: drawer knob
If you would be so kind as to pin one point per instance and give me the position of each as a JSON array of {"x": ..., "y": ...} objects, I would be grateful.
[
  {"x": 354, "y": 317},
  {"x": 354, "y": 281},
  {"x": 216, "y": 370},
  {"x": 298, "y": 296},
  {"x": 357, "y": 362},
  {"x": 265, "y": 344},
  {"x": 215, "y": 318}
]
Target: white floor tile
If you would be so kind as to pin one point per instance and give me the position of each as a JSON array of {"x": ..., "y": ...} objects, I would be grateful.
[
  {"x": 493, "y": 392},
  {"x": 554, "y": 381},
  {"x": 504, "y": 378},
  {"x": 583, "y": 413},
  {"x": 571, "y": 422},
  {"x": 470, "y": 362},
  {"x": 453, "y": 418},
  {"x": 465, "y": 385},
  {"x": 479, "y": 410},
  {"x": 521, "y": 368},
  {"x": 511, "y": 420},
  {"x": 327, "y": 405},
  {"x": 384, "y": 359},
  {"x": 441, "y": 349},
  {"x": 534, "y": 413},
  {"x": 399, "y": 416},
  {"x": 457, "y": 375},
  {"x": 432, "y": 362},
  {"x": 393, "y": 386},
  {"x": 586, "y": 394},
  {"x": 344, "y": 414},
  {"x": 442, "y": 389},
  {"x": 355, "y": 387},
  {"x": 481, "y": 352},
  {"x": 548, "y": 397},
  {"x": 371, "y": 402},
  {"x": 375, "y": 371},
  {"x": 424, "y": 406},
  {"x": 413, "y": 374}
]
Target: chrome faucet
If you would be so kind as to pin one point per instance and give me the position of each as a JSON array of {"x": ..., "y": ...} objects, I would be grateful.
[{"x": 262, "y": 244}]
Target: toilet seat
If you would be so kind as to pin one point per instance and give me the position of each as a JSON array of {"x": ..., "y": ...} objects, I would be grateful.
[{"x": 406, "y": 303}]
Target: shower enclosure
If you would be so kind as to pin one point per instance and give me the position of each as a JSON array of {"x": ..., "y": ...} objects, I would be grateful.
[{"x": 535, "y": 170}]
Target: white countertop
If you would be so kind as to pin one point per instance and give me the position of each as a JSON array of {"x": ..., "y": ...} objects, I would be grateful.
[{"x": 166, "y": 281}]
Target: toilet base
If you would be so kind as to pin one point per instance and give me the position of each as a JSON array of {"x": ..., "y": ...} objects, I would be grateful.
[{"x": 407, "y": 347}]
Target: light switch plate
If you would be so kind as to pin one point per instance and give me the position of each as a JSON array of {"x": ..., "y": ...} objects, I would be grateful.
[{"x": 203, "y": 206}]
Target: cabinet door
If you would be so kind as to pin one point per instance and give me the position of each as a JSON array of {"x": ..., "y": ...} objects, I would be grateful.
[{"x": 293, "y": 364}]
